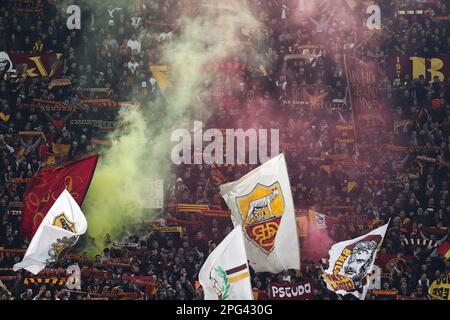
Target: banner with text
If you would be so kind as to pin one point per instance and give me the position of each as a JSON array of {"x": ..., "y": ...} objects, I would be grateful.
[
  {"x": 291, "y": 291},
  {"x": 370, "y": 113}
]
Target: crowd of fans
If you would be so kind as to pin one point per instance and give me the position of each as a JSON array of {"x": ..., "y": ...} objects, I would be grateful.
[{"x": 115, "y": 49}]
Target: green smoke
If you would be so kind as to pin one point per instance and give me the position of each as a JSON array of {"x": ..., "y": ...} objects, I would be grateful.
[{"x": 141, "y": 152}]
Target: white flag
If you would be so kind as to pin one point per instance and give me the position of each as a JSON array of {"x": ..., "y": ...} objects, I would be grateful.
[
  {"x": 351, "y": 263},
  {"x": 225, "y": 274},
  {"x": 57, "y": 233},
  {"x": 261, "y": 201},
  {"x": 318, "y": 220}
]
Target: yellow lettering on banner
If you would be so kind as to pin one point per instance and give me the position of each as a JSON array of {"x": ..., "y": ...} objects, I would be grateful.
[
  {"x": 39, "y": 65},
  {"x": 346, "y": 252},
  {"x": 440, "y": 288},
  {"x": 419, "y": 67},
  {"x": 436, "y": 65}
]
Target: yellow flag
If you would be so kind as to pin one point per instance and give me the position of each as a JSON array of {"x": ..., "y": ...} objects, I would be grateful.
[
  {"x": 353, "y": 3},
  {"x": 263, "y": 70},
  {"x": 302, "y": 224},
  {"x": 350, "y": 186},
  {"x": 327, "y": 168},
  {"x": 161, "y": 77},
  {"x": 440, "y": 288}
]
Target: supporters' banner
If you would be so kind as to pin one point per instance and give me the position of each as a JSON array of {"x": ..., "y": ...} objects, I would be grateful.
[
  {"x": 153, "y": 195},
  {"x": 164, "y": 229},
  {"x": 95, "y": 123},
  {"x": 440, "y": 288},
  {"x": 351, "y": 263},
  {"x": 95, "y": 93},
  {"x": 345, "y": 133},
  {"x": 73, "y": 277},
  {"x": 32, "y": 134},
  {"x": 395, "y": 148},
  {"x": 102, "y": 102},
  {"x": 141, "y": 280},
  {"x": 59, "y": 83},
  {"x": 399, "y": 66},
  {"x": 314, "y": 97},
  {"x": 218, "y": 176},
  {"x": 129, "y": 245},
  {"x": 38, "y": 65},
  {"x": 387, "y": 262},
  {"x": 14, "y": 209},
  {"x": 52, "y": 281},
  {"x": 56, "y": 235},
  {"x": 370, "y": 113},
  {"x": 51, "y": 106},
  {"x": 29, "y": 7},
  {"x": 225, "y": 275},
  {"x": 261, "y": 201},
  {"x": 101, "y": 142},
  {"x": 308, "y": 50},
  {"x": 47, "y": 185},
  {"x": 291, "y": 291},
  {"x": 61, "y": 150},
  {"x": 385, "y": 294}
]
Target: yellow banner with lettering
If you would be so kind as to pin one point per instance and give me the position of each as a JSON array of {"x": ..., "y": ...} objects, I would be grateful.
[{"x": 440, "y": 288}]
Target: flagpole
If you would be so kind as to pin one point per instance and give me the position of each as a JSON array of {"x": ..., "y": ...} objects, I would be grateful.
[{"x": 351, "y": 103}]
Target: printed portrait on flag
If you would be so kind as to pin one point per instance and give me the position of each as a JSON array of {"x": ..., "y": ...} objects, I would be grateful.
[
  {"x": 356, "y": 259},
  {"x": 351, "y": 263}
]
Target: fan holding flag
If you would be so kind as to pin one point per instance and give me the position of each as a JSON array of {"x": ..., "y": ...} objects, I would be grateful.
[{"x": 56, "y": 235}]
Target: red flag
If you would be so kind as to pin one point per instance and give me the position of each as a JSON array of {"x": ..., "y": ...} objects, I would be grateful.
[
  {"x": 48, "y": 183},
  {"x": 369, "y": 111},
  {"x": 444, "y": 249}
]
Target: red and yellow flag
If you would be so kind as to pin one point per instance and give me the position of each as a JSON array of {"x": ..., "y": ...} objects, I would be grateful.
[{"x": 48, "y": 183}]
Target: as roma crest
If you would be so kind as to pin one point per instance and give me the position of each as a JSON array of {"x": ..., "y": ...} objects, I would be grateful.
[
  {"x": 60, "y": 248},
  {"x": 61, "y": 221},
  {"x": 261, "y": 211}
]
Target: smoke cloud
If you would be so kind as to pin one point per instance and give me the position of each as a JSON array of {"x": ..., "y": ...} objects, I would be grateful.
[
  {"x": 316, "y": 245},
  {"x": 140, "y": 151}
]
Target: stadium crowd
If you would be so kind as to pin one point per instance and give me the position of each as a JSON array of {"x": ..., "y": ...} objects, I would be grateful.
[{"x": 115, "y": 49}]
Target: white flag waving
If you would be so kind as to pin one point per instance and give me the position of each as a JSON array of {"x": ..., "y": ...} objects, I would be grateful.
[
  {"x": 57, "y": 233},
  {"x": 261, "y": 201},
  {"x": 225, "y": 274},
  {"x": 351, "y": 263}
]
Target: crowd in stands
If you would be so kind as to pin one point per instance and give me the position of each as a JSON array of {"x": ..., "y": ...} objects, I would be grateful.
[{"x": 115, "y": 50}]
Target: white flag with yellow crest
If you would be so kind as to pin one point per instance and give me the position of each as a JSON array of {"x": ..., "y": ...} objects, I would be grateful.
[
  {"x": 57, "y": 233},
  {"x": 261, "y": 201}
]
